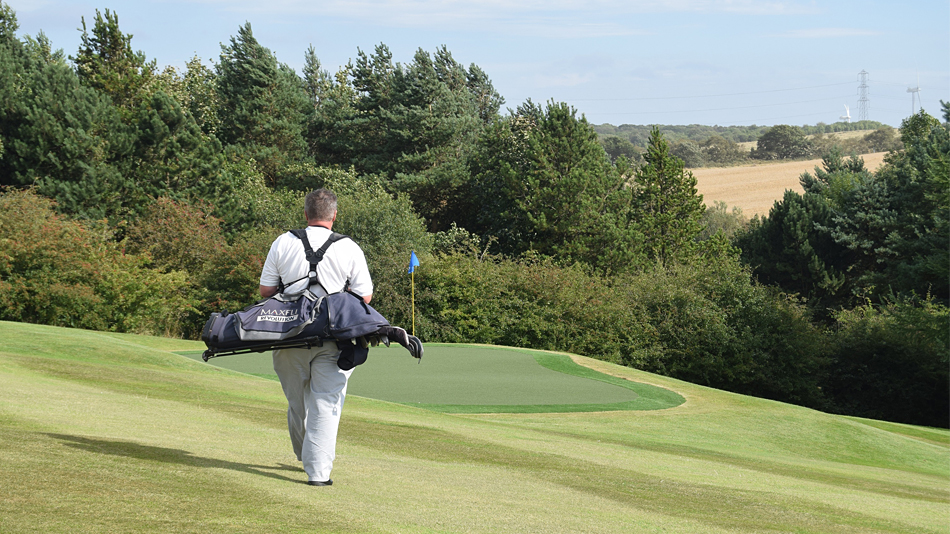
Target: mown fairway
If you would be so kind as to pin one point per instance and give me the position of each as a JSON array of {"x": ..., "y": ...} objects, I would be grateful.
[
  {"x": 754, "y": 188},
  {"x": 115, "y": 433}
]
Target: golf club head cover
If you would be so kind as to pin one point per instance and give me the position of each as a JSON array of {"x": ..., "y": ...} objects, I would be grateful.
[
  {"x": 415, "y": 347},
  {"x": 399, "y": 335}
]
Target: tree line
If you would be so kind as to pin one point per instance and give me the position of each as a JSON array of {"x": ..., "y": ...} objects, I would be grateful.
[
  {"x": 638, "y": 133},
  {"x": 702, "y": 146},
  {"x": 140, "y": 199}
]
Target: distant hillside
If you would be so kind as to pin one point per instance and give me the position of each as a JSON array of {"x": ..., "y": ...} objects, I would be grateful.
[{"x": 638, "y": 133}]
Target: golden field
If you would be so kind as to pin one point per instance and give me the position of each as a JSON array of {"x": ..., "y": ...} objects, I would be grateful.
[{"x": 754, "y": 188}]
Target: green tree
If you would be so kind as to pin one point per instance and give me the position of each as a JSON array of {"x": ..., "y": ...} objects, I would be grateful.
[
  {"x": 415, "y": 124},
  {"x": 265, "y": 105},
  {"x": 196, "y": 91},
  {"x": 669, "y": 209},
  {"x": 910, "y": 232},
  {"x": 41, "y": 49},
  {"x": 488, "y": 101},
  {"x": 720, "y": 151},
  {"x": 888, "y": 231},
  {"x": 435, "y": 135},
  {"x": 835, "y": 177},
  {"x": 172, "y": 157},
  {"x": 70, "y": 141},
  {"x": 545, "y": 184},
  {"x": 106, "y": 62},
  {"x": 13, "y": 66},
  {"x": 782, "y": 142},
  {"x": 619, "y": 146},
  {"x": 8, "y": 25},
  {"x": 792, "y": 248},
  {"x": 893, "y": 224},
  {"x": 96, "y": 159},
  {"x": 689, "y": 153}
]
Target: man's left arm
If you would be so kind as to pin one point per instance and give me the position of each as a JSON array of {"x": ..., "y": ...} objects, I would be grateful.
[{"x": 269, "y": 272}]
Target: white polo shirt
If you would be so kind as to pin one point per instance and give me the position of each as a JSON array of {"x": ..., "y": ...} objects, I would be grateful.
[{"x": 343, "y": 261}]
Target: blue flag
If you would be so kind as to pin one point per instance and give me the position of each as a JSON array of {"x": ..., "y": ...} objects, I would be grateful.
[{"x": 413, "y": 261}]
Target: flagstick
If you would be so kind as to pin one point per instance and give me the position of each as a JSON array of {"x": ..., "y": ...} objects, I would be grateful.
[{"x": 413, "y": 277}]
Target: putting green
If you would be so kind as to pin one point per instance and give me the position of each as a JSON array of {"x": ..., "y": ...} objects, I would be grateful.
[{"x": 482, "y": 379}]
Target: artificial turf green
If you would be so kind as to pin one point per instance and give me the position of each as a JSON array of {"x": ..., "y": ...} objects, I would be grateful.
[{"x": 481, "y": 379}]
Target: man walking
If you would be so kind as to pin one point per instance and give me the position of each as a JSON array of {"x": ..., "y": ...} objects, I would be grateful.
[{"x": 312, "y": 381}]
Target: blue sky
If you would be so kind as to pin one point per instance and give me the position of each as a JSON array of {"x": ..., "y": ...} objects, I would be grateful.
[{"x": 725, "y": 62}]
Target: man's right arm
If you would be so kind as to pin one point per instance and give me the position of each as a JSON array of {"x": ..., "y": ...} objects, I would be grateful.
[
  {"x": 269, "y": 291},
  {"x": 358, "y": 275}
]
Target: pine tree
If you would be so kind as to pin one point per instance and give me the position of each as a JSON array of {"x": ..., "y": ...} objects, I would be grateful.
[
  {"x": 668, "y": 206},
  {"x": 436, "y": 120},
  {"x": 905, "y": 233},
  {"x": 71, "y": 143},
  {"x": 416, "y": 124},
  {"x": 106, "y": 62},
  {"x": 8, "y": 25},
  {"x": 317, "y": 81},
  {"x": 794, "y": 249},
  {"x": 487, "y": 99},
  {"x": 174, "y": 157},
  {"x": 836, "y": 176},
  {"x": 13, "y": 66},
  {"x": 263, "y": 105}
]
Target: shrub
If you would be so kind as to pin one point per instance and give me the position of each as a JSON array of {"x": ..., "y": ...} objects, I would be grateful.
[
  {"x": 710, "y": 324},
  {"x": 187, "y": 240},
  {"x": 892, "y": 362},
  {"x": 177, "y": 236},
  {"x": 57, "y": 271},
  {"x": 707, "y": 323}
]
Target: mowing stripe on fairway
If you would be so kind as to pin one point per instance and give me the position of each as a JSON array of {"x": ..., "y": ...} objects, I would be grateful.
[{"x": 483, "y": 379}]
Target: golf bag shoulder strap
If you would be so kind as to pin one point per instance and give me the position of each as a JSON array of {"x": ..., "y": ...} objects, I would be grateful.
[{"x": 314, "y": 257}]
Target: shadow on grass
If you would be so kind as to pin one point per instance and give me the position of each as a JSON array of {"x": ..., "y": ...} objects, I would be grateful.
[{"x": 172, "y": 456}]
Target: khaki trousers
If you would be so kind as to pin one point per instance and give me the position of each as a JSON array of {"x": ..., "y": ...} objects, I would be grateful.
[{"x": 315, "y": 388}]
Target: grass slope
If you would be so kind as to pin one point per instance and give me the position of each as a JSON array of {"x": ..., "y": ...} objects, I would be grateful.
[{"x": 114, "y": 433}]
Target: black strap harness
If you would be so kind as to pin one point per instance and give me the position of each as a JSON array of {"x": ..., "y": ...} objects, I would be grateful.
[{"x": 314, "y": 257}]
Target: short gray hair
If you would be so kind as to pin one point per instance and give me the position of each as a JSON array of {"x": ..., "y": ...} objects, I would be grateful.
[{"x": 320, "y": 205}]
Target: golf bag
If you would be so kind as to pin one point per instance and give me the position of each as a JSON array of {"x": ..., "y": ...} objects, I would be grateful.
[{"x": 304, "y": 320}]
